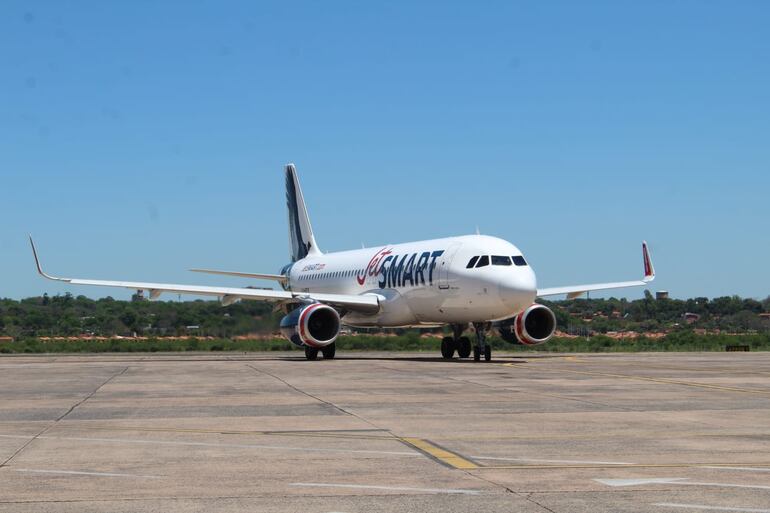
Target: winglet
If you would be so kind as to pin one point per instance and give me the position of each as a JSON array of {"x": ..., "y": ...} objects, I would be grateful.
[
  {"x": 39, "y": 267},
  {"x": 649, "y": 270}
]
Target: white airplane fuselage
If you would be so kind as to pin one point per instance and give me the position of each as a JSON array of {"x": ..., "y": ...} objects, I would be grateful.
[{"x": 424, "y": 283}]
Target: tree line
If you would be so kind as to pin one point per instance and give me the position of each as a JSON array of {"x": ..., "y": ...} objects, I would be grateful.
[{"x": 68, "y": 315}]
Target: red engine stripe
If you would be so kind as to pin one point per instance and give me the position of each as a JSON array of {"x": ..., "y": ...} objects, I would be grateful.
[
  {"x": 520, "y": 330},
  {"x": 301, "y": 323}
]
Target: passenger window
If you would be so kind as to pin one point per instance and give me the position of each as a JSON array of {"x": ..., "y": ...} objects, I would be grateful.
[
  {"x": 519, "y": 260},
  {"x": 500, "y": 260},
  {"x": 472, "y": 262},
  {"x": 483, "y": 261}
]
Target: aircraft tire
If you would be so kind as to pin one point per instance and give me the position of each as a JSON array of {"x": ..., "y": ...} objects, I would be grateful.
[
  {"x": 311, "y": 353},
  {"x": 463, "y": 347},
  {"x": 447, "y": 348},
  {"x": 329, "y": 351},
  {"x": 487, "y": 352}
]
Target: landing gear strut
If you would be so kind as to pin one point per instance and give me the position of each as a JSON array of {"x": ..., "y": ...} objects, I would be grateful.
[{"x": 481, "y": 347}]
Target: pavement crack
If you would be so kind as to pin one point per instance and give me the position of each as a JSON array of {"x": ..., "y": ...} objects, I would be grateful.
[
  {"x": 529, "y": 498},
  {"x": 61, "y": 417},
  {"x": 89, "y": 396},
  {"x": 322, "y": 401}
]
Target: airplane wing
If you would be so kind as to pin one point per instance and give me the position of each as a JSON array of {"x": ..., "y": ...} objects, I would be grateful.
[
  {"x": 365, "y": 302},
  {"x": 576, "y": 290},
  {"x": 274, "y": 277}
]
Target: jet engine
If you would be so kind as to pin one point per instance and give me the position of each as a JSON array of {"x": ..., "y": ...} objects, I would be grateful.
[
  {"x": 535, "y": 325},
  {"x": 314, "y": 325}
]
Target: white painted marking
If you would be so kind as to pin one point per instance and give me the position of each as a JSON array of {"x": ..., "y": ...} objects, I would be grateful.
[
  {"x": 643, "y": 481},
  {"x": 710, "y": 508},
  {"x": 576, "y": 462},
  {"x": 674, "y": 480},
  {"x": 209, "y": 444},
  {"x": 81, "y": 473},
  {"x": 389, "y": 488},
  {"x": 752, "y": 469}
]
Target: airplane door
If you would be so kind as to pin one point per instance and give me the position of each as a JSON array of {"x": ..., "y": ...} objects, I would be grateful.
[{"x": 445, "y": 263}]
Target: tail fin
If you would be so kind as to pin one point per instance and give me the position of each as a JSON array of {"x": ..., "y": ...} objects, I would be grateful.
[{"x": 301, "y": 233}]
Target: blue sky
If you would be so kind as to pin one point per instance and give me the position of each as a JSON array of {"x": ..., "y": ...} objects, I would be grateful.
[{"x": 139, "y": 139}]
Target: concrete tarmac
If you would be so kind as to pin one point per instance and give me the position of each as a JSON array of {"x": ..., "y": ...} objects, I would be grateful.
[{"x": 373, "y": 432}]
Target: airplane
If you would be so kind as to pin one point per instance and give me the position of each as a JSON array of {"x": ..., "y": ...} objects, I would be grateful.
[{"x": 470, "y": 280}]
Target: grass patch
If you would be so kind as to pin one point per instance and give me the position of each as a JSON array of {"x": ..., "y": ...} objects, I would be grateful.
[{"x": 681, "y": 341}]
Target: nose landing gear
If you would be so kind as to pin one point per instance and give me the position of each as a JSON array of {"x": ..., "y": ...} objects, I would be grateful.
[{"x": 482, "y": 347}]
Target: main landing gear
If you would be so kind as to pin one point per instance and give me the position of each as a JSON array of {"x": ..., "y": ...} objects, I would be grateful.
[
  {"x": 463, "y": 345},
  {"x": 328, "y": 352}
]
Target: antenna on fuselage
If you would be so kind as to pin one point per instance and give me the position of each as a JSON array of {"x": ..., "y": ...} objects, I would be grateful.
[{"x": 477, "y": 230}]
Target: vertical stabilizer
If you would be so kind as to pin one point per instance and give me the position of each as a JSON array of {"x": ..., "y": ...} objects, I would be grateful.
[{"x": 300, "y": 232}]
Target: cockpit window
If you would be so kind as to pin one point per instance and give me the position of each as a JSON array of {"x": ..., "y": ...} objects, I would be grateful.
[
  {"x": 519, "y": 260},
  {"x": 483, "y": 261},
  {"x": 501, "y": 260},
  {"x": 472, "y": 262}
]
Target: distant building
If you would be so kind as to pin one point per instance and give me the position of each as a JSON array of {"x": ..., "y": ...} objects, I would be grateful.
[
  {"x": 690, "y": 318},
  {"x": 661, "y": 294},
  {"x": 139, "y": 296},
  {"x": 765, "y": 319}
]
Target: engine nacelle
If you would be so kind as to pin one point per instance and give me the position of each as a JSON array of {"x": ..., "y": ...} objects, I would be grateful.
[
  {"x": 313, "y": 325},
  {"x": 535, "y": 325}
]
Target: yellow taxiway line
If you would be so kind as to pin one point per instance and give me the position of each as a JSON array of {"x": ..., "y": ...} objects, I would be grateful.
[
  {"x": 625, "y": 465},
  {"x": 448, "y": 458}
]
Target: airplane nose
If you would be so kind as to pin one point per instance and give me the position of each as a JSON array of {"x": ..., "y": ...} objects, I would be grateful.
[{"x": 519, "y": 289}]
